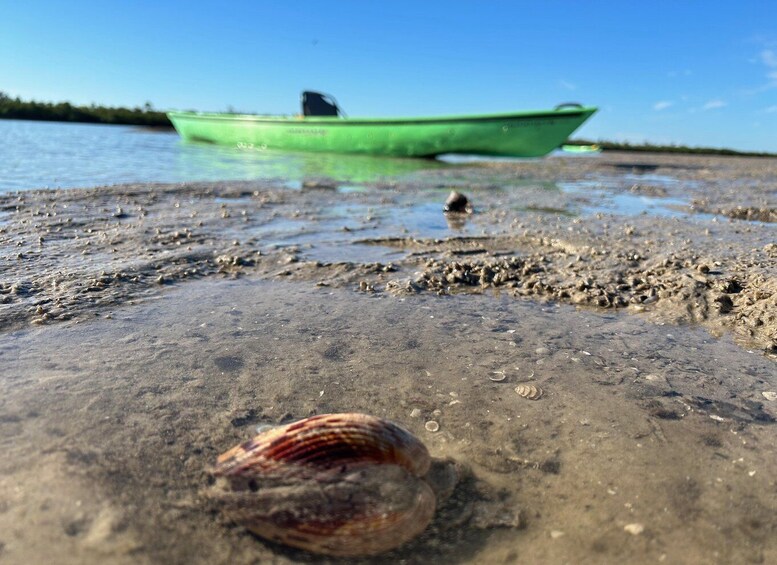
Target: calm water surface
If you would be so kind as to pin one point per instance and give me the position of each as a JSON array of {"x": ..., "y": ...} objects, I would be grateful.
[
  {"x": 52, "y": 155},
  {"x": 64, "y": 155}
]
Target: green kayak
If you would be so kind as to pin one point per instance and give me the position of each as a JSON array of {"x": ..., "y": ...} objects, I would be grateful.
[{"x": 320, "y": 128}]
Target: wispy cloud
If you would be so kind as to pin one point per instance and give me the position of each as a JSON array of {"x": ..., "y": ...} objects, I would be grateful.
[
  {"x": 769, "y": 59},
  {"x": 771, "y": 110},
  {"x": 763, "y": 40},
  {"x": 568, "y": 85},
  {"x": 714, "y": 104},
  {"x": 662, "y": 105}
]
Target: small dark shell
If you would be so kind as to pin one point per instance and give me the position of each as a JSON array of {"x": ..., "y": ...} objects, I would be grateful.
[
  {"x": 457, "y": 202},
  {"x": 336, "y": 484}
]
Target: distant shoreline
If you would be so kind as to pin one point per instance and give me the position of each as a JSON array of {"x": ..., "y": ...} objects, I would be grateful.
[
  {"x": 147, "y": 116},
  {"x": 18, "y": 109},
  {"x": 678, "y": 149}
]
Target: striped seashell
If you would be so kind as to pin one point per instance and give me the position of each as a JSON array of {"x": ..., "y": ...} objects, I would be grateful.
[
  {"x": 529, "y": 392},
  {"x": 336, "y": 484},
  {"x": 326, "y": 441}
]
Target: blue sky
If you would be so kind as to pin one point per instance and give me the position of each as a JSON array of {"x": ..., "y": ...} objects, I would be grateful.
[{"x": 697, "y": 73}]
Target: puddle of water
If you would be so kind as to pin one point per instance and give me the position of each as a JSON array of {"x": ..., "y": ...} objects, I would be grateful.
[
  {"x": 336, "y": 252},
  {"x": 232, "y": 200},
  {"x": 425, "y": 219},
  {"x": 632, "y": 205},
  {"x": 416, "y": 211},
  {"x": 337, "y": 226},
  {"x": 548, "y": 210},
  {"x": 649, "y": 178},
  {"x": 348, "y": 188},
  {"x": 647, "y": 443},
  {"x": 602, "y": 196}
]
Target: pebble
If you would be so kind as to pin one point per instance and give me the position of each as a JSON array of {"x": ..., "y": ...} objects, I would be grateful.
[
  {"x": 555, "y": 534},
  {"x": 415, "y": 413},
  {"x": 634, "y": 529},
  {"x": 456, "y": 202},
  {"x": 769, "y": 395},
  {"x": 542, "y": 351},
  {"x": 432, "y": 426}
]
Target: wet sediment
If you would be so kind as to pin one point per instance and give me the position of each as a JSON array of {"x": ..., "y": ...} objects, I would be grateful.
[
  {"x": 76, "y": 253},
  {"x": 553, "y": 339},
  {"x": 647, "y": 443}
]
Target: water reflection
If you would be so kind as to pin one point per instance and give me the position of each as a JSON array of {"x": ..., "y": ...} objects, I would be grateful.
[
  {"x": 456, "y": 221},
  {"x": 63, "y": 155},
  {"x": 300, "y": 170}
]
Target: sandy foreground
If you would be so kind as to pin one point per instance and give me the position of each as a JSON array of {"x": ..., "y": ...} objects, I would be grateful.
[{"x": 146, "y": 329}]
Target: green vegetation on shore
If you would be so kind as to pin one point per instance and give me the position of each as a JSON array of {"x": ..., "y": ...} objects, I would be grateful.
[
  {"x": 652, "y": 148},
  {"x": 17, "y": 109}
]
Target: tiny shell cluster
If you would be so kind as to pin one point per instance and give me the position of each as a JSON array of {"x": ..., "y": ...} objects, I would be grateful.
[
  {"x": 335, "y": 484},
  {"x": 530, "y": 392}
]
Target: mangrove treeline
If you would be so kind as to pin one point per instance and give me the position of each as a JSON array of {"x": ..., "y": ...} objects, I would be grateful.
[
  {"x": 652, "y": 148},
  {"x": 17, "y": 109}
]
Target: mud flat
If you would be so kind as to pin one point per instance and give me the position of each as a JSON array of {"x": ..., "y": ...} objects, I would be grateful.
[
  {"x": 109, "y": 425},
  {"x": 684, "y": 239},
  {"x": 149, "y": 328}
]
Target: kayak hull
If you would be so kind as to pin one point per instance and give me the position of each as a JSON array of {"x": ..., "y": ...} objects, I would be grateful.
[{"x": 523, "y": 134}]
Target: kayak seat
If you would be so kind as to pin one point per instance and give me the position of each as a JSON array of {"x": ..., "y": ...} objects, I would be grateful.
[{"x": 317, "y": 104}]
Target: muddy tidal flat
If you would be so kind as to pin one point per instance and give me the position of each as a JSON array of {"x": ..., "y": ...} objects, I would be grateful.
[{"x": 144, "y": 329}]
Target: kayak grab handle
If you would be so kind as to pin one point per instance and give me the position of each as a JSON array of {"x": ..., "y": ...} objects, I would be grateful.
[{"x": 568, "y": 105}]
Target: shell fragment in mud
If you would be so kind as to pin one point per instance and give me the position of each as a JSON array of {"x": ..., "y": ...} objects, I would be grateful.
[
  {"x": 530, "y": 392},
  {"x": 497, "y": 376},
  {"x": 634, "y": 529},
  {"x": 336, "y": 484}
]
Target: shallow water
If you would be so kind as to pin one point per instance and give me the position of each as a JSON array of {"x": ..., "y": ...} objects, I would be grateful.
[
  {"x": 67, "y": 155},
  {"x": 607, "y": 195},
  {"x": 108, "y": 425}
]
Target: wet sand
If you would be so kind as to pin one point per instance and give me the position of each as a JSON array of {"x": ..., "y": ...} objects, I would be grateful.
[
  {"x": 109, "y": 425},
  {"x": 149, "y": 328},
  {"x": 688, "y": 240}
]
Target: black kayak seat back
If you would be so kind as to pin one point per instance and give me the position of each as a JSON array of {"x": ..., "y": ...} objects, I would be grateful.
[{"x": 317, "y": 104}]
